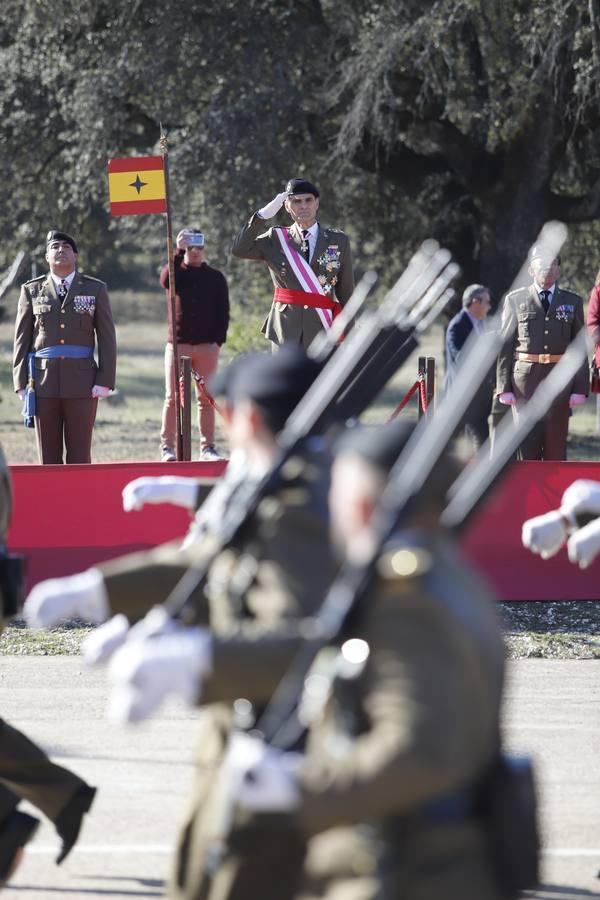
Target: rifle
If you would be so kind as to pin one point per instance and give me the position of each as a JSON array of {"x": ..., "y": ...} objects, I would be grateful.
[{"x": 402, "y": 311}]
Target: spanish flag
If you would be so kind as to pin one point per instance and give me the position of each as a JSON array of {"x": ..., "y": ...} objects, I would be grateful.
[{"x": 136, "y": 185}]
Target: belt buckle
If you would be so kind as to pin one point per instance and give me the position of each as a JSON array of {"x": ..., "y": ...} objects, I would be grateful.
[{"x": 544, "y": 358}]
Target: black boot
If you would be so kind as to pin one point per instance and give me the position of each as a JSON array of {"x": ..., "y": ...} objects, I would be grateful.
[
  {"x": 68, "y": 822},
  {"x": 15, "y": 831}
]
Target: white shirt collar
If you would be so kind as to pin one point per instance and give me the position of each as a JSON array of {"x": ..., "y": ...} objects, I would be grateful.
[
  {"x": 57, "y": 279},
  {"x": 540, "y": 289}
]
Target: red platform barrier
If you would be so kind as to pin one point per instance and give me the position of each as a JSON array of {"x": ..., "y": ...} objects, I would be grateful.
[{"x": 67, "y": 518}]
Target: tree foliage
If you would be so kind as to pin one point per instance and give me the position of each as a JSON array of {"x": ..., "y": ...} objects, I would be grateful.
[{"x": 473, "y": 120}]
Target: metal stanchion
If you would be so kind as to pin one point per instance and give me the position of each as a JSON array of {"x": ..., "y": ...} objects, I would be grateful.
[{"x": 185, "y": 376}]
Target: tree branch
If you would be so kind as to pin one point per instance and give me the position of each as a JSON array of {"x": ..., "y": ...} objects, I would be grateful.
[{"x": 583, "y": 208}]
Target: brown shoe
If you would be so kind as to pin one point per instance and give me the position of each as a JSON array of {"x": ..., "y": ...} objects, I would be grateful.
[
  {"x": 68, "y": 822},
  {"x": 16, "y": 830}
]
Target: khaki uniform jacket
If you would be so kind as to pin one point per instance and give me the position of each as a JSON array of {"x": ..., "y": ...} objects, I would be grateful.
[
  {"x": 538, "y": 332},
  {"x": 419, "y": 722},
  {"x": 331, "y": 262},
  {"x": 83, "y": 318}
]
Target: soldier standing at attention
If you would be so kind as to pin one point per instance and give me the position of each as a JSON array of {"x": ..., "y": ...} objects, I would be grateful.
[
  {"x": 310, "y": 265},
  {"x": 59, "y": 317},
  {"x": 26, "y": 773},
  {"x": 547, "y": 319}
]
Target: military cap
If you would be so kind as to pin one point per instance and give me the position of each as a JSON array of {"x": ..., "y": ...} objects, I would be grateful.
[
  {"x": 275, "y": 382},
  {"x": 301, "y": 186},
  {"x": 61, "y": 236}
]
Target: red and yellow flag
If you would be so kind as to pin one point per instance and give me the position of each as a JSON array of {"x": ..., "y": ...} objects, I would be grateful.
[{"x": 136, "y": 185}]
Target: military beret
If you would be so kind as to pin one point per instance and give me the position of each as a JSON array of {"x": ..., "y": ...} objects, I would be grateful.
[
  {"x": 301, "y": 186},
  {"x": 275, "y": 382},
  {"x": 61, "y": 236}
]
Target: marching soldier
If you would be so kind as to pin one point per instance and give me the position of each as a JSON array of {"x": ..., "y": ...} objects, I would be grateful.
[
  {"x": 59, "y": 317},
  {"x": 310, "y": 265},
  {"x": 26, "y": 773},
  {"x": 409, "y": 723},
  {"x": 547, "y": 319}
]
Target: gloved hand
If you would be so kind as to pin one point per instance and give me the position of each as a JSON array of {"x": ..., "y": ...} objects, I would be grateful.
[
  {"x": 164, "y": 489},
  {"x": 99, "y": 392},
  {"x": 577, "y": 399},
  {"x": 265, "y": 777},
  {"x": 583, "y": 496},
  {"x": 21, "y": 394},
  {"x": 545, "y": 534},
  {"x": 102, "y": 643},
  {"x": 507, "y": 398},
  {"x": 584, "y": 545},
  {"x": 52, "y": 601},
  {"x": 272, "y": 208},
  {"x": 145, "y": 671}
]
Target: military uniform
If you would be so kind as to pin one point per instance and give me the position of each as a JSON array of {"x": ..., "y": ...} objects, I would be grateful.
[
  {"x": 331, "y": 262},
  {"x": 541, "y": 334},
  {"x": 26, "y": 773},
  {"x": 65, "y": 408},
  {"x": 402, "y": 742}
]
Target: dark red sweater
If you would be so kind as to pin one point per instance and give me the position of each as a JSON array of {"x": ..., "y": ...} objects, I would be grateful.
[{"x": 201, "y": 303}]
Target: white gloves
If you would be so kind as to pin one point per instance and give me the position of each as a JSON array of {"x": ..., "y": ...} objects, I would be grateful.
[
  {"x": 577, "y": 399},
  {"x": 164, "y": 489},
  {"x": 102, "y": 643},
  {"x": 583, "y": 496},
  {"x": 545, "y": 534},
  {"x": 21, "y": 394},
  {"x": 99, "y": 392},
  {"x": 52, "y": 601},
  {"x": 272, "y": 208},
  {"x": 262, "y": 778},
  {"x": 144, "y": 671},
  {"x": 507, "y": 398},
  {"x": 584, "y": 545}
]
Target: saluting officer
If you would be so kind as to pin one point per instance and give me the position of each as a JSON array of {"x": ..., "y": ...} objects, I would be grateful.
[
  {"x": 310, "y": 265},
  {"x": 547, "y": 319},
  {"x": 26, "y": 773},
  {"x": 60, "y": 316}
]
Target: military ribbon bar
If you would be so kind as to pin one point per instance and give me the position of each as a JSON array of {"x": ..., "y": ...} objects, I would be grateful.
[{"x": 136, "y": 185}]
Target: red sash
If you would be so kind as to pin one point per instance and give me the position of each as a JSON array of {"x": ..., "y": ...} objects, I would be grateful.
[{"x": 304, "y": 298}]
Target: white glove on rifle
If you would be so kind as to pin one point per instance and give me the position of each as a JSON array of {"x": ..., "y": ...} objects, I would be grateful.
[
  {"x": 583, "y": 496},
  {"x": 144, "y": 671},
  {"x": 76, "y": 596},
  {"x": 507, "y": 398},
  {"x": 545, "y": 534},
  {"x": 272, "y": 208},
  {"x": 262, "y": 777},
  {"x": 164, "y": 489},
  {"x": 100, "y": 645},
  {"x": 584, "y": 545}
]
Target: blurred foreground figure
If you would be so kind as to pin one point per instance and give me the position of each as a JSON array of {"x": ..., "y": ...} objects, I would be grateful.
[
  {"x": 546, "y": 534},
  {"x": 26, "y": 773},
  {"x": 402, "y": 714}
]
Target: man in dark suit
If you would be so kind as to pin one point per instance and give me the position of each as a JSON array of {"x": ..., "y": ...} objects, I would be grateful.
[
  {"x": 475, "y": 307},
  {"x": 306, "y": 296},
  {"x": 546, "y": 318},
  {"x": 60, "y": 317}
]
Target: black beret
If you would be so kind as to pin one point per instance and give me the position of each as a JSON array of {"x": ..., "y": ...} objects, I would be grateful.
[
  {"x": 301, "y": 186},
  {"x": 276, "y": 382},
  {"x": 61, "y": 236},
  {"x": 380, "y": 445}
]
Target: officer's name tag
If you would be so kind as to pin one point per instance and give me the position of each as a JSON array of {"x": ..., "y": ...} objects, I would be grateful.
[{"x": 84, "y": 304}]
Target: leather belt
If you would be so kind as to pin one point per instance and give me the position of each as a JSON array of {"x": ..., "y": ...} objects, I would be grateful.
[{"x": 543, "y": 358}]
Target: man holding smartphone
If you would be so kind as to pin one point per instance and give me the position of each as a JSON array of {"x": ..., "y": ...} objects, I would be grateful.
[{"x": 201, "y": 322}]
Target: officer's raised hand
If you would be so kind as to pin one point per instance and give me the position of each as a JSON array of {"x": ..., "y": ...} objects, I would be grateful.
[{"x": 271, "y": 209}]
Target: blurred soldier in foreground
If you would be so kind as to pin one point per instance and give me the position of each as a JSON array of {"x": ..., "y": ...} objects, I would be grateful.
[
  {"x": 310, "y": 265},
  {"x": 546, "y": 534},
  {"x": 26, "y": 773},
  {"x": 59, "y": 318},
  {"x": 547, "y": 319},
  {"x": 279, "y": 569},
  {"x": 408, "y": 725}
]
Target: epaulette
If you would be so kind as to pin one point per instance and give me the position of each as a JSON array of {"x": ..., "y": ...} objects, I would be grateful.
[
  {"x": 334, "y": 230},
  {"x": 569, "y": 291},
  {"x": 33, "y": 280},
  {"x": 404, "y": 563},
  {"x": 91, "y": 278},
  {"x": 517, "y": 291}
]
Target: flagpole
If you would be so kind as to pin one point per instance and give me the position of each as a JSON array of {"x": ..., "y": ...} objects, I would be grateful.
[{"x": 175, "y": 371}]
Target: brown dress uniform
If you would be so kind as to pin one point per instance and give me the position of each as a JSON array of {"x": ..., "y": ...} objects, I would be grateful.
[
  {"x": 541, "y": 334},
  {"x": 331, "y": 262},
  {"x": 401, "y": 742},
  {"x": 280, "y": 570},
  {"x": 65, "y": 409},
  {"x": 26, "y": 773}
]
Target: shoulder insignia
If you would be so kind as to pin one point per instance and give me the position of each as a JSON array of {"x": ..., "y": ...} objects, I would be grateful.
[
  {"x": 522, "y": 291},
  {"x": 572, "y": 294},
  {"x": 34, "y": 280},
  {"x": 404, "y": 562},
  {"x": 91, "y": 278}
]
